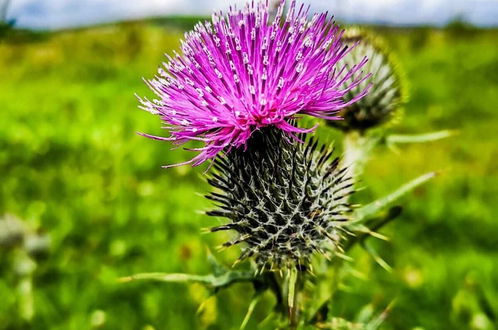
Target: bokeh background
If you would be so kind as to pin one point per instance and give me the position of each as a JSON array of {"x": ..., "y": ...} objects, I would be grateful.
[{"x": 90, "y": 199}]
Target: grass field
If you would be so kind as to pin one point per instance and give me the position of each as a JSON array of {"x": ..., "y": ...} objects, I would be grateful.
[{"x": 72, "y": 167}]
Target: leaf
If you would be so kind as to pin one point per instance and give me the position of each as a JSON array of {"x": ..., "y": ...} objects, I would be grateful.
[
  {"x": 377, "y": 322},
  {"x": 211, "y": 280},
  {"x": 365, "y": 314},
  {"x": 419, "y": 138},
  {"x": 363, "y": 213},
  {"x": 250, "y": 310}
]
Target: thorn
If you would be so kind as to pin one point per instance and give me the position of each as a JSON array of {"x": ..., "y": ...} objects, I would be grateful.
[
  {"x": 205, "y": 231},
  {"x": 220, "y": 248},
  {"x": 379, "y": 236},
  {"x": 203, "y": 304},
  {"x": 381, "y": 262},
  {"x": 344, "y": 257},
  {"x": 358, "y": 274},
  {"x": 238, "y": 261},
  {"x": 361, "y": 188},
  {"x": 201, "y": 212},
  {"x": 311, "y": 270}
]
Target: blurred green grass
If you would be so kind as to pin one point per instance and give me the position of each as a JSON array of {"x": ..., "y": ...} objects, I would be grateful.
[{"x": 72, "y": 166}]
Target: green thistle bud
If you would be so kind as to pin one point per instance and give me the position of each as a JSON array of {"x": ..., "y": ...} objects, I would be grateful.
[
  {"x": 285, "y": 200},
  {"x": 387, "y": 94}
]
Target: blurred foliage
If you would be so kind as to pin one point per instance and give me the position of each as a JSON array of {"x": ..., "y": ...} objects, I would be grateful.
[
  {"x": 71, "y": 166},
  {"x": 183, "y": 22}
]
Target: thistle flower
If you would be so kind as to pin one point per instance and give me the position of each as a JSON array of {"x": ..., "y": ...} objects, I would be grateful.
[
  {"x": 286, "y": 201},
  {"x": 388, "y": 92},
  {"x": 243, "y": 71}
]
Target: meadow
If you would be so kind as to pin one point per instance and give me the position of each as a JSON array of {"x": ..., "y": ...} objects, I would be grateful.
[{"x": 73, "y": 168}]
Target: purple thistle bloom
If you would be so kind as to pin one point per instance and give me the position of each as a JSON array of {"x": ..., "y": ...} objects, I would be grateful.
[{"x": 244, "y": 71}]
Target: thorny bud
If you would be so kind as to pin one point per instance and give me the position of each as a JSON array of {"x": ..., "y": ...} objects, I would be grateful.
[
  {"x": 285, "y": 200},
  {"x": 388, "y": 93}
]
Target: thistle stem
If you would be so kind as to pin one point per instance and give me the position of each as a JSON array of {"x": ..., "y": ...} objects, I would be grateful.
[
  {"x": 357, "y": 149},
  {"x": 293, "y": 297}
]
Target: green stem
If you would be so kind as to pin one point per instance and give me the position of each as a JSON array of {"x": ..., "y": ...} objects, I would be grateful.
[
  {"x": 293, "y": 297},
  {"x": 357, "y": 149}
]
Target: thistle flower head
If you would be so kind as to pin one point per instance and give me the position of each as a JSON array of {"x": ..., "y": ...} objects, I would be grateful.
[
  {"x": 388, "y": 92},
  {"x": 244, "y": 70},
  {"x": 285, "y": 201}
]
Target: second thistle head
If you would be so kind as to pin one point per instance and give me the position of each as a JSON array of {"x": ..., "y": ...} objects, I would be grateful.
[
  {"x": 388, "y": 93},
  {"x": 285, "y": 201},
  {"x": 245, "y": 70}
]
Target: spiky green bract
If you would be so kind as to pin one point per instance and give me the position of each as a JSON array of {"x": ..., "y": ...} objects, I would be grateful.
[
  {"x": 388, "y": 92},
  {"x": 285, "y": 200}
]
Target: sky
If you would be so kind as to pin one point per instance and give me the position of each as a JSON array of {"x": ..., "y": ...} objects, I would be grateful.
[{"x": 56, "y": 14}]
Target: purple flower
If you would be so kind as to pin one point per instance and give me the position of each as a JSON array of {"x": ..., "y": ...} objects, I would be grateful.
[{"x": 244, "y": 71}]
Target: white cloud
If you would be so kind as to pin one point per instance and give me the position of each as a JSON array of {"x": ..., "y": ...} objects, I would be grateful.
[
  {"x": 62, "y": 13},
  {"x": 65, "y": 13}
]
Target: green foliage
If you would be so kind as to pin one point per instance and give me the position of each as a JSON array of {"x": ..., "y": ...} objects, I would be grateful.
[
  {"x": 184, "y": 22},
  {"x": 72, "y": 167}
]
